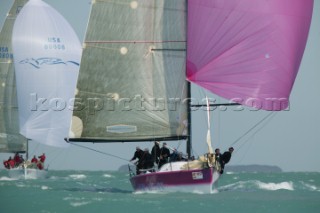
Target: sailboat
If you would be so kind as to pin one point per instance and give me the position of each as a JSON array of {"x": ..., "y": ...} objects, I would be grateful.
[
  {"x": 10, "y": 139},
  {"x": 44, "y": 58},
  {"x": 139, "y": 58}
]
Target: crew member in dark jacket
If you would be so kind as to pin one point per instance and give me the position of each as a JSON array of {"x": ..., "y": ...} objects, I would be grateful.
[
  {"x": 138, "y": 154},
  {"x": 164, "y": 155},
  {"x": 147, "y": 160},
  {"x": 225, "y": 158},
  {"x": 155, "y": 152},
  {"x": 217, "y": 155}
]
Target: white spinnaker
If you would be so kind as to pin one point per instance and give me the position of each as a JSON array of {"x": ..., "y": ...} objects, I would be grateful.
[{"x": 47, "y": 55}]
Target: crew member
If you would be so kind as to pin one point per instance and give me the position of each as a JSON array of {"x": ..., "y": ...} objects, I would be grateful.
[{"x": 225, "y": 158}]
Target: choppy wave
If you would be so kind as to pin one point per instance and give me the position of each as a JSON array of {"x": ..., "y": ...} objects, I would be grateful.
[
  {"x": 77, "y": 201},
  {"x": 257, "y": 185},
  {"x": 149, "y": 192},
  {"x": 275, "y": 186},
  {"x": 215, "y": 191},
  {"x": 230, "y": 173},
  {"x": 45, "y": 187},
  {"x": 77, "y": 204},
  {"x": 22, "y": 185},
  {"x": 108, "y": 176},
  {"x": 78, "y": 176},
  {"x": 4, "y": 178},
  {"x": 309, "y": 186}
]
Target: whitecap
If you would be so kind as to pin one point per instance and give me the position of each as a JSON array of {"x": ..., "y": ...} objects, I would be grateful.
[
  {"x": 214, "y": 191},
  {"x": 20, "y": 185},
  {"x": 77, "y": 204},
  {"x": 45, "y": 187},
  {"x": 230, "y": 173},
  {"x": 68, "y": 198},
  {"x": 235, "y": 186},
  {"x": 97, "y": 199},
  {"x": 74, "y": 198},
  {"x": 4, "y": 178},
  {"x": 275, "y": 186},
  {"x": 107, "y": 176},
  {"x": 149, "y": 192},
  {"x": 309, "y": 186},
  {"x": 77, "y": 176},
  {"x": 54, "y": 177},
  {"x": 198, "y": 192}
]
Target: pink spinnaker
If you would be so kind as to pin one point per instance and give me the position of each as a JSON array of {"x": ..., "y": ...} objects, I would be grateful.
[{"x": 248, "y": 51}]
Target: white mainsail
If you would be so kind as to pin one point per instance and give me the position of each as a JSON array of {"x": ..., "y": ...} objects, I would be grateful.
[
  {"x": 47, "y": 55},
  {"x": 10, "y": 139},
  {"x": 132, "y": 77}
]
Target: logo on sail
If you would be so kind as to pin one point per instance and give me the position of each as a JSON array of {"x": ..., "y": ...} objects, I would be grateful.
[
  {"x": 37, "y": 63},
  {"x": 121, "y": 129}
]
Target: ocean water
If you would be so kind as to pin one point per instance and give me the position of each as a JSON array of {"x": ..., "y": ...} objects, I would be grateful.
[{"x": 83, "y": 191}]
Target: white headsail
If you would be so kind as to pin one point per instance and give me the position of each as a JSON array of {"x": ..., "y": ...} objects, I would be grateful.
[
  {"x": 47, "y": 54},
  {"x": 209, "y": 126}
]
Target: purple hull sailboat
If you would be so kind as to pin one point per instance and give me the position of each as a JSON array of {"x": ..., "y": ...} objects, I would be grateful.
[
  {"x": 138, "y": 55},
  {"x": 185, "y": 180}
]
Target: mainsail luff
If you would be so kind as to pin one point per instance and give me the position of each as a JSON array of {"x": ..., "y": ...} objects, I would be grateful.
[
  {"x": 10, "y": 139},
  {"x": 134, "y": 52}
]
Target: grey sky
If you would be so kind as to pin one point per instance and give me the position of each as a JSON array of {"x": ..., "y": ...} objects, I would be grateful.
[{"x": 291, "y": 140}]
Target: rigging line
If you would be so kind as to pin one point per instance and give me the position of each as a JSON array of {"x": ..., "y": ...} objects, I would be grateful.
[
  {"x": 263, "y": 125},
  {"x": 54, "y": 153},
  {"x": 251, "y": 138},
  {"x": 104, "y": 153},
  {"x": 254, "y": 126},
  {"x": 247, "y": 150},
  {"x": 200, "y": 93},
  {"x": 34, "y": 150}
]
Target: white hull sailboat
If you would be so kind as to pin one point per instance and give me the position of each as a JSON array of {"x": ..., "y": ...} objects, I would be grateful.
[
  {"x": 28, "y": 170},
  {"x": 27, "y": 173},
  {"x": 36, "y": 87}
]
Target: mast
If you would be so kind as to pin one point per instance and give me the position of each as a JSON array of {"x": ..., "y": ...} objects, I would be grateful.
[{"x": 189, "y": 140}]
